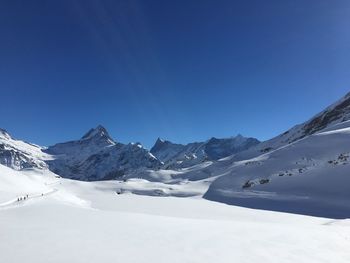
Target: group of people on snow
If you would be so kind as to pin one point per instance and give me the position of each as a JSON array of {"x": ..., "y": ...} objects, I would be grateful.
[{"x": 22, "y": 198}]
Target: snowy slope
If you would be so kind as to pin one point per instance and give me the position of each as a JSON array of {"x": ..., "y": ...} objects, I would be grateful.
[
  {"x": 87, "y": 222},
  {"x": 20, "y": 155},
  {"x": 181, "y": 156},
  {"x": 15, "y": 183},
  {"x": 308, "y": 176},
  {"x": 335, "y": 114},
  {"x": 304, "y": 170},
  {"x": 96, "y": 156}
]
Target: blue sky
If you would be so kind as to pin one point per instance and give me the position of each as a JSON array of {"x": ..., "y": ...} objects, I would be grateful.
[{"x": 180, "y": 70}]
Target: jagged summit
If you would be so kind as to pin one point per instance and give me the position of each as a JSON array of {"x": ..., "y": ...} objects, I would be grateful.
[
  {"x": 161, "y": 143},
  {"x": 99, "y": 133},
  {"x": 96, "y": 156},
  {"x": 94, "y": 140},
  {"x": 180, "y": 156}
]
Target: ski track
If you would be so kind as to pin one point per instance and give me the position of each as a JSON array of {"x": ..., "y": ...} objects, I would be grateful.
[{"x": 14, "y": 202}]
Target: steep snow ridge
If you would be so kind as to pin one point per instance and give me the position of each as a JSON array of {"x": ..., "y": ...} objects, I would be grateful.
[
  {"x": 96, "y": 156},
  {"x": 333, "y": 116},
  {"x": 336, "y": 113},
  {"x": 19, "y": 155},
  {"x": 181, "y": 156}
]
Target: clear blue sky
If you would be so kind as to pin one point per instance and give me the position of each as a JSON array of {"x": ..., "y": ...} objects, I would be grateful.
[{"x": 181, "y": 70}]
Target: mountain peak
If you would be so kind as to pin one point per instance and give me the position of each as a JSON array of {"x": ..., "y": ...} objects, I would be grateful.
[
  {"x": 98, "y": 132},
  {"x": 159, "y": 144},
  {"x": 160, "y": 141},
  {"x": 239, "y": 136}
]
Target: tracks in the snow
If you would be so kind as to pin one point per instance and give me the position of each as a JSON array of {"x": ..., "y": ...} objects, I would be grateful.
[{"x": 21, "y": 199}]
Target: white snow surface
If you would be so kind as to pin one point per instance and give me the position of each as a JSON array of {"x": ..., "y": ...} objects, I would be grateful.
[
  {"x": 308, "y": 176},
  {"x": 88, "y": 222},
  {"x": 18, "y": 154}
]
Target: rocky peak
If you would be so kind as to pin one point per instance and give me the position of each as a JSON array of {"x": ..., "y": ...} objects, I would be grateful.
[
  {"x": 336, "y": 113},
  {"x": 99, "y": 131},
  {"x": 160, "y": 144}
]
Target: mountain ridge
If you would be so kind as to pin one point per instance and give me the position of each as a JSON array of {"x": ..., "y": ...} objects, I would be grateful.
[
  {"x": 176, "y": 155},
  {"x": 96, "y": 156}
]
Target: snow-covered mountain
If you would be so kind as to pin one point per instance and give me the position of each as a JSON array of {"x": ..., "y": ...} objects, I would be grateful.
[
  {"x": 20, "y": 155},
  {"x": 336, "y": 114},
  {"x": 180, "y": 156},
  {"x": 304, "y": 170},
  {"x": 96, "y": 156}
]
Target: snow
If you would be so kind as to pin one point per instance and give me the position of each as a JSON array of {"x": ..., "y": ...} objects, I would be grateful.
[
  {"x": 97, "y": 157},
  {"x": 28, "y": 148},
  {"x": 141, "y": 217},
  {"x": 177, "y": 156},
  {"x": 88, "y": 222},
  {"x": 343, "y": 130},
  {"x": 15, "y": 183},
  {"x": 309, "y": 176},
  {"x": 18, "y": 154}
]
